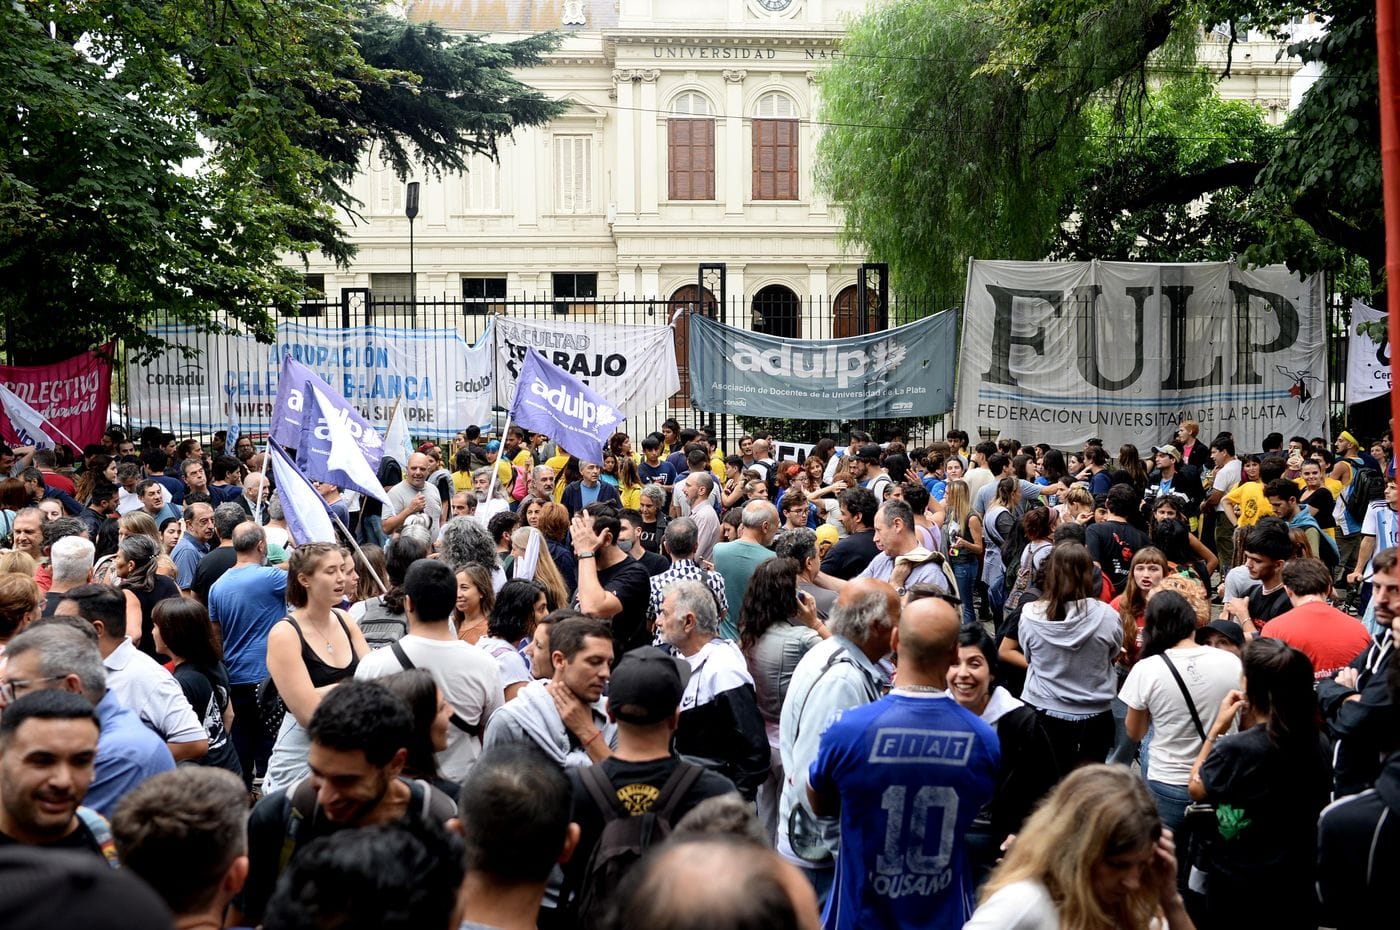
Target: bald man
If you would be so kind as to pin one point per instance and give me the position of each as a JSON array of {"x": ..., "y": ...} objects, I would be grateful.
[
  {"x": 676, "y": 887},
  {"x": 907, "y": 775},
  {"x": 414, "y": 495},
  {"x": 837, "y": 674}
]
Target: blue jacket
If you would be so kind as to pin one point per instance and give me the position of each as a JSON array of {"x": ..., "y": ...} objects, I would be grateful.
[{"x": 573, "y": 496}]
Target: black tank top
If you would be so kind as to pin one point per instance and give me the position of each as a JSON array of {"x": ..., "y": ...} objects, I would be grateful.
[{"x": 322, "y": 674}]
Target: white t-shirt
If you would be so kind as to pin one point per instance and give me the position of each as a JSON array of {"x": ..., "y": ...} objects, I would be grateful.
[
  {"x": 1019, "y": 906},
  {"x": 1209, "y": 675},
  {"x": 469, "y": 679},
  {"x": 143, "y": 686},
  {"x": 1226, "y": 477},
  {"x": 1384, "y": 524}
]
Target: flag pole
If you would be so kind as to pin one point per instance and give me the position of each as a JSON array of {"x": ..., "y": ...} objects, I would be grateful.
[
  {"x": 496, "y": 468},
  {"x": 349, "y": 537},
  {"x": 257, "y": 507}
]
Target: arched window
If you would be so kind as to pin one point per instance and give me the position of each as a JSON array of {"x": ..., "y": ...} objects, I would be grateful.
[
  {"x": 775, "y": 148},
  {"x": 690, "y": 141},
  {"x": 777, "y": 311}
]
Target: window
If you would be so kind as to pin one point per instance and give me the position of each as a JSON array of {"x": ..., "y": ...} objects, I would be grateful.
[
  {"x": 391, "y": 193},
  {"x": 315, "y": 286},
  {"x": 775, "y": 148},
  {"x": 777, "y": 312},
  {"x": 390, "y": 286},
  {"x": 571, "y": 288},
  {"x": 483, "y": 288},
  {"x": 684, "y": 299},
  {"x": 481, "y": 187},
  {"x": 690, "y": 137},
  {"x": 573, "y": 174}
]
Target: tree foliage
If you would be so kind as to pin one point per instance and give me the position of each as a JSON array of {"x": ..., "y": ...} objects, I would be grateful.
[
  {"x": 172, "y": 154},
  {"x": 1021, "y": 129}
]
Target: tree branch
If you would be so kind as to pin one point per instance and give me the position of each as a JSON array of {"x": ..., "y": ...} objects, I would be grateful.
[{"x": 1188, "y": 188}]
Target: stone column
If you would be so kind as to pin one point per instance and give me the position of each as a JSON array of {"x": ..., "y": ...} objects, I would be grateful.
[{"x": 736, "y": 175}]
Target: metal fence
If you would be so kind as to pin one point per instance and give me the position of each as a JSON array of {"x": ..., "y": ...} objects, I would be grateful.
[{"x": 776, "y": 313}]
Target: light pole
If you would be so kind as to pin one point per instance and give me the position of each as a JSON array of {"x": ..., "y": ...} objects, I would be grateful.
[{"x": 410, "y": 210}]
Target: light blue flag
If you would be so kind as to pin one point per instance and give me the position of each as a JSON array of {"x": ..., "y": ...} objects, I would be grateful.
[
  {"x": 330, "y": 450},
  {"x": 551, "y": 401},
  {"x": 303, "y": 507}
]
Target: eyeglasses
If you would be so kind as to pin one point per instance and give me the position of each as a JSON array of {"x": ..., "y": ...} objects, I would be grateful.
[{"x": 10, "y": 688}]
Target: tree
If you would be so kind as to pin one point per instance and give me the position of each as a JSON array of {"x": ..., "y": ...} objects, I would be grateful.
[
  {"x": 1021, "y": 129},
  {"x": 174, "y": 154}
]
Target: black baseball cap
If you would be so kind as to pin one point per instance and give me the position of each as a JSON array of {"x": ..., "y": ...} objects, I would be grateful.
[
  {"x": 869, "y": 452},
  {"x": 646, "y": 686},
  {"x": 45, "y": 888},
  {"x": 1226, "y": 628}
]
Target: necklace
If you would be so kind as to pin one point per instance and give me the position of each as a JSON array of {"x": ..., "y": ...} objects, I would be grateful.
[
  {"x": 921, "y": 689},
  {"x": 330, "y": 649}
]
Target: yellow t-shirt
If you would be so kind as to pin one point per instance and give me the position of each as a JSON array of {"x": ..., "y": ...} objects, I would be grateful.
[
  {"x": 1249, "y": 497},
  {"x": 523, "y": 458}
]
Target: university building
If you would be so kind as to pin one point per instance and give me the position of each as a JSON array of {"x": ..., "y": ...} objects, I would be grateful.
[{"x": 690, "y": 137}]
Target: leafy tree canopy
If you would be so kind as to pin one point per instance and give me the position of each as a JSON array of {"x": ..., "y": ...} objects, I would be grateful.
[
  {"x": 1021, "y": 129},
  {"x": 172, "y": 154}
]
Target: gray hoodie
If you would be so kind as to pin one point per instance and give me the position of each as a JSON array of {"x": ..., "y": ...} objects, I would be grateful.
[
  {"x": 1071, "y": 660},
  {"x": 533, "y": 716}
]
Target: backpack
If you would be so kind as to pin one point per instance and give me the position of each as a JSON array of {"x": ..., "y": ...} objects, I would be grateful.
[
  {"x": 381, "y": 627},
  {"x": 300, "y": 801},
  {"x": 1030, "y": 577},
  {"x": 1367, "y": 486},
  {"x": 626, "y": 837},
  {"x": 520, "y": 486}
]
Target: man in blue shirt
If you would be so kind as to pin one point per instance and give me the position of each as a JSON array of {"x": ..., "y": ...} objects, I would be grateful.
[
  {"x": 908, "y": 774},
  {"x": 244, "y": 604},
  {"x": 194, "y": 544},
  {"x": 588, "y": 490},
  {"x": 57, "y": 656}
]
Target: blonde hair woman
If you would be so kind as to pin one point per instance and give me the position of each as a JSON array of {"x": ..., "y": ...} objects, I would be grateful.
[
  {"x": 1093, "y": 856},
  {"x": 543, "y": 570}
]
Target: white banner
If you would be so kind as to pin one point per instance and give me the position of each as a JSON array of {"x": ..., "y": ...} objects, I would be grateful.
[
  {"x": 439, "y": 382},
  {"x": 1062, "y": 352},
  {"x": 632, "y": 366},
  {"x": 1368, "y": 361}
]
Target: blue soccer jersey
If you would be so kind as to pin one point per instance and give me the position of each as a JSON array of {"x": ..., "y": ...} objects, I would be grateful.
[{"x": 912, "y": 771}]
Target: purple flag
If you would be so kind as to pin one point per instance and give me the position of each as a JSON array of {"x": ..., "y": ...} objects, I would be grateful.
[
  {"x": 292, "y": 400},
  {"x": 551, "y": 401}
]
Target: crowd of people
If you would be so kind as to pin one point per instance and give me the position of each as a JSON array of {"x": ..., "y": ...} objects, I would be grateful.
[{"x": 990, "y": 685}]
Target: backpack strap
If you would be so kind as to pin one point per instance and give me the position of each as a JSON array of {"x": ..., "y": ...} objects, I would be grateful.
[
  {"x": 301, "y": 806},
  {"x": 471, "y": 729},
  {"x": 600, "y": 789},
  {"x": 1190, "y": 701},
  {"x": 101, "y": 832},
  {"x": 675, "y": 789}
]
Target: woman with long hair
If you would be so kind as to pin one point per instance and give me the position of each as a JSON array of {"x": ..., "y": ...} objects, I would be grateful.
[
  {"x": 554, "y": 524},
  {"x": 432, "y": 716},
  {"x": 1148, "y": 568},
  {"x": 1130, "y": 463},
  {"x": 1027, "y": 760},
  {"x": 138, "y": 523},
  {"x": 1173, "y": 538},
  {"x": 1174, "y": 686},
  {"x": 629, "y": 482},
  {"x": 1168, "y": 507},
  {"x": 997, "y": 525},
  {"x": 309, "y": 651},
  {"x": 962, "y": 528},
  {"x": 182, "y": 631},
  {"x": 138, "y": 568},
  {"x": 517, "y": 609},
  {"x": 1268, "y": 782},
  {"x": 475, "y": 595},
  {"x": 1093, "y": 856},
  {"x": 1070, "y": 639},
  {"x": 544, "y": 572},
  {"x": 99, "y": 468},
  {"x": 777, "y": 626},
  {"x": 369, "y": 565}
]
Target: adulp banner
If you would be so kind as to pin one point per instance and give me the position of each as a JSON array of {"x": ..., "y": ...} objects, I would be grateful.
[
  {"x": 901, "y": 372},
  {"x": 1062, "y": 352}
]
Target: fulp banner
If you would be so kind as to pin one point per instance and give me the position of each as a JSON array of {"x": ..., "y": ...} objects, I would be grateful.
[
  {"x": 1062, "y": 352},
  {"x": 901, "y": 372}
]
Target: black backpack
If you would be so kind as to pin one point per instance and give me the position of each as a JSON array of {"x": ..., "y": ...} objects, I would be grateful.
[
  {"x": 626, "y": 836},
  {"x": 1367, "y": 486}
]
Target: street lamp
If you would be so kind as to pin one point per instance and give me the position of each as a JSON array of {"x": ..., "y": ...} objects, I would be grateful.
[{"x": 410, "y": 210}]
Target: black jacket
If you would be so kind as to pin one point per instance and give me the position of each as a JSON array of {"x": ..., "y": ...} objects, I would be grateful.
[
  {"x": 1364, "y": 730},
  {"x": 726, "y": 734},
  {"x": 1358, "y": 849}
]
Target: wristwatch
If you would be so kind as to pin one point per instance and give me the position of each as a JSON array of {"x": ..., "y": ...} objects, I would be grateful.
[
  {"x": 583, "y": 555},
  {"x": 901, "y": 590}
]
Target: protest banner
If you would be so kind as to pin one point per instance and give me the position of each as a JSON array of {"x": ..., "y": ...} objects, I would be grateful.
[
  {"x": 1368, "y": 361},
  {"x": 72, "y": 395},
  {"x": 634, "y": 367},
  {"x": 551, "y": 401},
  {"x": 1063, "y": 352},
  {"x": 901, "y": 372},
  {"x": 439, "y": 383}
]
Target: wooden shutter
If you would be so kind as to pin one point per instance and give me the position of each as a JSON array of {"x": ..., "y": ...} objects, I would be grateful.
[
  {"x": 775, "y": 159},
  {"x": 691, "y": 161}
]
